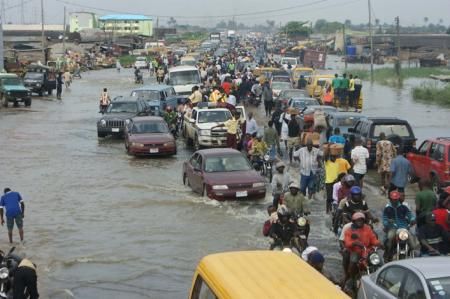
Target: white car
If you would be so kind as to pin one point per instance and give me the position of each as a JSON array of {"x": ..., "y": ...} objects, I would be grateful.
[{"x": 141, "y": 62}]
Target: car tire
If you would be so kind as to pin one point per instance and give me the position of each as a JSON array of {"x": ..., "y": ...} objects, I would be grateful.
[
  {"x": 197, "y": 145},
  {"x": 101, "y": 135},
  {"x": 204, "y": 192},
  {"x": 50, "y": 92},
  {"x": 16, "y": 104},
  {"x": 27, "y": 102},
  {"x": 186, "y": 180},
  {"x": 4, "y": 101}
]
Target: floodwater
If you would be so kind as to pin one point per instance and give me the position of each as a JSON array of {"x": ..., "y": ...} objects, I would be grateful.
[{"x": 101, "y": 224}]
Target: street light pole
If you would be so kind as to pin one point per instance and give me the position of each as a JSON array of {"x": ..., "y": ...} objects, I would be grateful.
[
  {"x": 371, "y": 41},
  {"x": 2, "y": 66},
  {"x": 42, "y": 33}
]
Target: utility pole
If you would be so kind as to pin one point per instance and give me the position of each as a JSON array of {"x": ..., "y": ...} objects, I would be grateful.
[
  {"x": 64, "y": 33},
  {"x": 397, "y": 62},
  {"x": 22, "y": 13},
  {"x": 371, "y": 41},
  {"x": 157, "y": 31},
  {"x": 3, "y": 11},
  {"x": 345, "y": 46},
  {"x": 2, "y": 66},
  {"x": 42, "y": 33}
]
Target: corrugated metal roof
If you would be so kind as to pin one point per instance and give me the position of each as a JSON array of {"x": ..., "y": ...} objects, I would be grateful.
[{"x": 125, "y": 18}]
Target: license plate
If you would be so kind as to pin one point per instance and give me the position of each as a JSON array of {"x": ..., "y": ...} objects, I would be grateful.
[
  {"x": 154, "y": 150},
  {"x": 241, "y": 194},
  {"x": 116, "y": 130}
]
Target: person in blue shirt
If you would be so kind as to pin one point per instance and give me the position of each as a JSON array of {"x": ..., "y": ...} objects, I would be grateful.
[
  {"x": 395, "y": 216},
  {"x": 13, "y": 206},
  {"x": 337, "y": 137},
  {"x": 400, "y": 170}
]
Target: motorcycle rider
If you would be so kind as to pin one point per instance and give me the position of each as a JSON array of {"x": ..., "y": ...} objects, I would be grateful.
[
  {"x": 160, "y": 75},
  {"x": 170, "y": 117},
  {"x": 280, "y": 183},
  {"x": 295, "y": 201},
  {"x": 25, "y": 281},
  {"x": 433, "y": 238},
  {"x": 137, "y": 75},
  {"x": 356, "y": 204},
  {"x": 284, "y": 232},
  {"x": 395, "y": 216},
  {"x": 258, "y": 150},
  {"x": 356, "y": 238}
]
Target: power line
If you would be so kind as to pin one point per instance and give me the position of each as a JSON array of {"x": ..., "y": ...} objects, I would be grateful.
[
  {"x": 200, "y": 17},
  {"x": 18, "y": 5}
]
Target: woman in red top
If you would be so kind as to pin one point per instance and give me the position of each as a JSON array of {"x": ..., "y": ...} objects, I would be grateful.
[{"x": 441, "y": 213}]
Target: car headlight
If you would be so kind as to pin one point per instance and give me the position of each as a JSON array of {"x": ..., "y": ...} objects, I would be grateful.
[
  {"x": 205, "y": 132},
  {"x": 137, "y": 144},
  {"x": 301, "y": 221},
  {"x": 29, "y": 93},
  {"x": 259, "y": 185},
  {"x": 103, "y": 122},
  {"x": 168, "y": 144},
  {"x": 266, "y": 157},
  {"x": 403, "y": 234},
  {"x": 127, "y": 122},
  {"x": 8, "y": 93},
  {"x": 4, "y": 273},
  {"x": 220, "y": 187},
  {"x": 38, "y": 84},
  {"x": 375, "y": 259}
]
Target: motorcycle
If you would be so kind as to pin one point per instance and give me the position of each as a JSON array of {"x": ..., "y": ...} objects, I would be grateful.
[
  {"x": 254, "y": 99},
  {"x": 302, "y": 229},
  {"x": 279, "y": 245},
  {"x": 138, "y": 78},
  {"x": 8, "y": 265},
  {"x": 402, "y": 250},
  {"x": 267, "y": 165}
]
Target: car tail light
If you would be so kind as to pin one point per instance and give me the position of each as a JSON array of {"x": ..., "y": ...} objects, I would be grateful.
[{"x": 369, "y": 143}]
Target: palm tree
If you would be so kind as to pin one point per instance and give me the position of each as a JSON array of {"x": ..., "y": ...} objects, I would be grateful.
[{"x": 425, "y": 20}]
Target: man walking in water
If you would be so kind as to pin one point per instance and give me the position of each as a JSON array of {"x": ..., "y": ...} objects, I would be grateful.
[
  {"x": 14, "y": 208},
  {"x": 105, "y": 100}
]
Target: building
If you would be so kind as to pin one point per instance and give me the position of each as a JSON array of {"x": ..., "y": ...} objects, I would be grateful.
[
  {"x": 127, "y": 24},
  {"x": 82, "y": 20}
]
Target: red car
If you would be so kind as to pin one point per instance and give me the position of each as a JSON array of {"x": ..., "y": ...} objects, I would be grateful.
[
  {"x": 432, "y": 161},
  {"x": 223, "y": 173},
  {"x": 148, "y": 136}
]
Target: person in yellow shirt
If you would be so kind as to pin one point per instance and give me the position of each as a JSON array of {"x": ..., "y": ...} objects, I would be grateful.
[
  {"x": 232, "y": 126},
  {"x": 352, "y": 101},
  {"x": 331, "y": 175},
  {"x": 218, "y": 96},
  {"x": 196, "y": 96},
  {"x": 344, "y": 166},
  {"x": 258, "y": 150}
]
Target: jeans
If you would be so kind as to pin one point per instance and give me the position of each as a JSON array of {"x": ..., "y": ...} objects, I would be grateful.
[
  {"x": 390, "y": 241},
  {"x": 307, "y": 182},
  {"x": 272, "y": 152}
]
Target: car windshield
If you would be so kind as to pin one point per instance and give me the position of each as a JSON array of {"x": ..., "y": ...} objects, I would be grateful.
[
  {"x": 303, "y": 73},
  {"x": 396, "y": 129},
  {"x": 227, "y": 163},
  {"x": 304, "y": 103},
  {"x": 281, "y": 85},
  {"x": 11, "y": 81},
  {"x": 34, "y": 76},
  {"x": 213, "y": 116},
  {"x": 188, "y": 62},
  {"x": 347, "y": 121},
  {"x": 149, "y": 127},
  {"x": 321, "y": 82},
  {"x": 141, "y": 59},
  {"x": 439, "y": 287},
  {"x": 289, "y": 60},
  {"x": 292, "y": 93},
  {"x": 184, "y": 77},
  {"x": 117, "y": 107},
  {"x": 146, "y": 94},
  {"x": 281, "y": 79}
]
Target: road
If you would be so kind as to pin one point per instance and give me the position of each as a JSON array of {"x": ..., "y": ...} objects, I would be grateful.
[{"x": 101, "y": 224}]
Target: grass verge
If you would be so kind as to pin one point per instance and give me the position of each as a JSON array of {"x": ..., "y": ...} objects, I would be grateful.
[{"x": 431, "y": 93}]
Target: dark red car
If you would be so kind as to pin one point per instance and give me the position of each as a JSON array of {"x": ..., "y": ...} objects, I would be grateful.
[
  {"x": 148, "y": 136},
  {"x": 223, "y": 173},
  {"x": 432, "y": 161}
]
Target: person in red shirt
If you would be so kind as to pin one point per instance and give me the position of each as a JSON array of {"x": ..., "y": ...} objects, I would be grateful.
[
  {"x": 226, "y": 85},
  {"x": 442, "y": 212},
  {"x": 358, "y": 240}
]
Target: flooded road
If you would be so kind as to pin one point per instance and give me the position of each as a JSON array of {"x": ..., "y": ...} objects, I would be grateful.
[{"x": 101, "y": 224}]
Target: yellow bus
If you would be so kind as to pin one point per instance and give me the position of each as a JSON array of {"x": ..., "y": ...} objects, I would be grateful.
[
  {"x": 260, "y": 275},
  {"x": 315, "y": 85},
  {"x": 298, "y": 71}
]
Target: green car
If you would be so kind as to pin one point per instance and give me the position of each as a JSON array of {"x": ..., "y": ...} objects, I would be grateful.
[{"x": 13, "y": 90}]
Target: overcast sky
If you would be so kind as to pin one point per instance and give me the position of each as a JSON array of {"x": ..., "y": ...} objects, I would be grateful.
[{"x": 411, "y": 12}]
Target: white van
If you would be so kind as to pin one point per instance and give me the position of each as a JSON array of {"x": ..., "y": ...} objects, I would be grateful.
[{"x": 183, "y": 78}]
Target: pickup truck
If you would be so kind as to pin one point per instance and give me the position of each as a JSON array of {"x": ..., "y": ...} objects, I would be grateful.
[{"x": 197, "y": 127}]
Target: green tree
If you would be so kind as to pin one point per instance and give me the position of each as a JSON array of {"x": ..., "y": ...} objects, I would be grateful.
[
  {"x": 348, "y": 23},
  {"x": 296, "y": 29},
  {"x": 221, "y": 24},
  {"x": 425, "y": 20}
]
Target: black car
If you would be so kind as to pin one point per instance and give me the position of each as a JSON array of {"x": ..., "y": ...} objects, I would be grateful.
[
  {"x": 40, "y": 78},
  {"x": 118, "y": 114},
  {"x": 397, "y": 130}
]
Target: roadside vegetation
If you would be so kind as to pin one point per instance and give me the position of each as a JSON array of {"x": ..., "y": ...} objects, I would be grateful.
[
  {"x": 127, "y": 60},
  {"x": 431, "y": 93},
  {"x": 388, "y": 76}
]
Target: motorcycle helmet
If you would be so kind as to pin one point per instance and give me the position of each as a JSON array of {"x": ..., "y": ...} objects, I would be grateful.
[
  {"x": 358, "y": 215},
  {"x": 280, "y": 165},
  {"x": 355, "y": 190},
  {"x": 394, "y": 195},
  {"x": 294, "y": 185},
  {"x": 349, "y": 178}
]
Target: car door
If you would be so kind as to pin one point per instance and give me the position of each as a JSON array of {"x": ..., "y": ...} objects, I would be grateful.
[
  {"x": 390, "y": 281},
  {"x": 190, "y": 169},
  {"x": 437, "y": 165},
  {"x": 171, "y": 99},
  {"x": 197, "y": 174},
  {"x": 413, "y": 288},
  {"x": 420, "y": 160}
]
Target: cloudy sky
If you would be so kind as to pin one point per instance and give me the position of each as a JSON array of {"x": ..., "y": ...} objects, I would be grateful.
[{"x": 210, "y": 12}]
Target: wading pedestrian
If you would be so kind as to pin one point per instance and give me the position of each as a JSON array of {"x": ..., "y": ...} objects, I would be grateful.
[{"x": 11, "y": 203}]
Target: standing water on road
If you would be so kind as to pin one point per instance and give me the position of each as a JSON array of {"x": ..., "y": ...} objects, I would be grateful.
[{"x": 101, "y": 224}]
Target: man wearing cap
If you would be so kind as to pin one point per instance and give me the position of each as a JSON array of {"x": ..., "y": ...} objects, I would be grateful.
[
  {"x": 395, "y": 216},
  {"x": 280, "y": 183},
  {"x": 309, "y": 157},
  {"x": 295, "y": 201}
]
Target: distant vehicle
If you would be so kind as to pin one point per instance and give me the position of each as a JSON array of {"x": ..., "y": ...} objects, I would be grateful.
[
  {"x": 40, "y": 78},
  {"x": 316, "y": 83},
  {"x": 118, "y": 114},
  {"x": 432, "y": 161},
  {"x": 285, "y": 61},
  {"x": 278, "y": 86},
  {"x": 306, "y": 72},
  {"x": 214, "y": 36},
  {"x": 424, "y": 278},
  {"x": 287, "y": 94},
  {"x": 141, "y": 62},
  {"x": 343, "y": 120},
  {"x": 314, "y": 58},
  {"x": 302, "y": 103},
  {"x": 13, "y": 90},
  {"x": 158, "y": 97},
  {"x": 217, "y": 276},
  {"x": 397, "y": 130},
  {"x": 223, "y": 174},
  {"x": 188, "y": 60},
  {"x": 327, "y": 109},
  {"x": 147, "y": 136},
  {"x": 183, "y": 79}
]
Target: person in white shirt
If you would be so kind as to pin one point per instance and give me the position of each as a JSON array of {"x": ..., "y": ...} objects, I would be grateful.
[
  {"x": 231, "y": 99},
  {"x": 359, "y": 157},
  {"x": 250, "y": 125}
]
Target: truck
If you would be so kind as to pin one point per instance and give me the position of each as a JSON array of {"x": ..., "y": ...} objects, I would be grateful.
[
  {"x": 183, "y": 79},
  {"x": 314, "y": 58},
  {"x": 13, "y": 90},
  {"x": 197, "y": 127},
  {"x": 214, "y": 36},
  {"x": 40, "y": 78}
]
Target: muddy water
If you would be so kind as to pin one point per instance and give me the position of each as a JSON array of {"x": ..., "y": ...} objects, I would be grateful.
[{"x": 100, "y": 224}]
